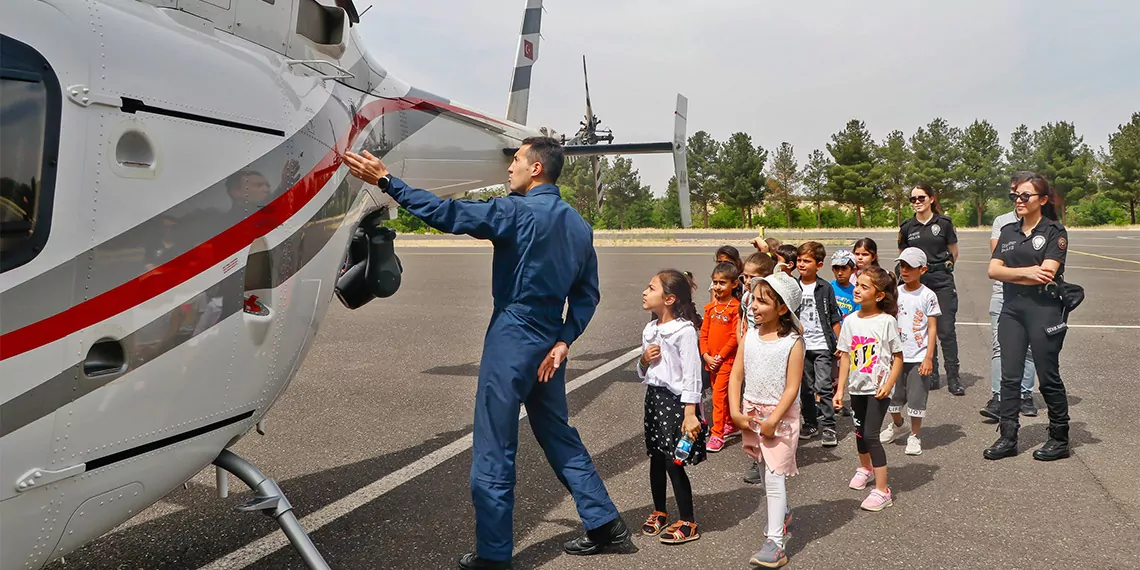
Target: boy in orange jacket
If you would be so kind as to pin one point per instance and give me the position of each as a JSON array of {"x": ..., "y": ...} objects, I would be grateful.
[{"x": 718, "y": 343}]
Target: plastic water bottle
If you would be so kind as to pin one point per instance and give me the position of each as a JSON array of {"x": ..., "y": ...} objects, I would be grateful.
[{"x": 683, "y": 450}]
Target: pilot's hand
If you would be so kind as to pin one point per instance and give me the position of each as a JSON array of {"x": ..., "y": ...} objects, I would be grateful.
[
  {"x": 552, "y": 361},
  {"x": 367, "y": 167}
]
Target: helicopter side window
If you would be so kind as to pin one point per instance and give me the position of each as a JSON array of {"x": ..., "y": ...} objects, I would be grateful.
[
  {"x": 321, "y": 24},
  {"x": 29, "y": 111}
]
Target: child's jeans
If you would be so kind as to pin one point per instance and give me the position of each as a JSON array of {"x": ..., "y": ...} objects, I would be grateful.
[{"x": 817, "y": 381}]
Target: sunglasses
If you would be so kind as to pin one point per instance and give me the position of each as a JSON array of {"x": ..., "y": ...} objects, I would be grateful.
[
  {"x": 1023, "y": 197},
  {"x": 917, "y": 199}
]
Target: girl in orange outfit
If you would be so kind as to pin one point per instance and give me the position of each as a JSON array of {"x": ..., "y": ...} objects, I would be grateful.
[{"x": 718, "y": 344}]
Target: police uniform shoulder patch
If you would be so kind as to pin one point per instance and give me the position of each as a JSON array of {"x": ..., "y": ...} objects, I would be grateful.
[
  {"x": 1038, "y": 242},
  {"x": 1062, "y": 242}
]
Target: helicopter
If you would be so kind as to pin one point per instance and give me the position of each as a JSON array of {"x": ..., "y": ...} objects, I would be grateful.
[{"x": 175, "y": 221}]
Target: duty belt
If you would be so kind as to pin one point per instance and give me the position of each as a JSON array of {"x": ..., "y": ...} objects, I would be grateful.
[{"x": 947, "y": 266}]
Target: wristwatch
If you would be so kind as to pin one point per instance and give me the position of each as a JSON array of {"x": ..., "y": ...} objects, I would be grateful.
[{"x": 383, "y": 182}]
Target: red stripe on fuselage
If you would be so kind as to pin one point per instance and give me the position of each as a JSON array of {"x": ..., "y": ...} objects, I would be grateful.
[{"x": 184, "y": 267}]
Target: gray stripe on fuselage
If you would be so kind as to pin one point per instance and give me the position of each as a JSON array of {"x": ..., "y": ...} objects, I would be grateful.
[
  {"x": 199, "y": 218},
  {"x": 522, "y": 79},
  {"x": 156, "y": 337},
  {"x": 532, "y": 21}
]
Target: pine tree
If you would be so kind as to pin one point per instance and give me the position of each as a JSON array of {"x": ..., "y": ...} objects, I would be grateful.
[
  {"x": 849, "y": 179},
  {"x": 1122, "y": 165},
  {"x": 936, "y": 156},
  {"x": 1063, "y": 158},
  {"x": 982, "y": 171},
  {"x": 740, "y": 182},
  {"x": 890, "y": 174},
  {"x": 701, "y": 154},
  {"x": 815, "y": 180},
  {"x": 784, "y": 179},
  {"x": 1022, "y": 151}
]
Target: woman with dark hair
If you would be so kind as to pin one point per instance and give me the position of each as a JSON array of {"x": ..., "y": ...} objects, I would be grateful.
[
  {"x": 1030, "y": 262},
  {"x": 933, "y": 233}
]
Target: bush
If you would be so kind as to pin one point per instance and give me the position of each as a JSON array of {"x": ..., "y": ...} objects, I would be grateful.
[
  {"x": 1098, "y": 211},
  {"x": 726, "y": 217},
  {"x": 836, "y": 218}
]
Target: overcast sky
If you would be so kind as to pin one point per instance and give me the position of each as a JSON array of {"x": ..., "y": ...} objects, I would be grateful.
[{"x": 780, "y": 71}]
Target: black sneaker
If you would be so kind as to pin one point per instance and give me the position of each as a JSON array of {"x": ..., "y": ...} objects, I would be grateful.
[
  {"x": 613, "y": 533},
  {"x": 471, "y": 561},
  {"x": 991, "y": 409},
  {"x": 829, "y": 439},
  {"x": 845, "y": 412},
  {"x": 808, "y": 432},
  {"x": 753, "y": 476},
  {"x": 1027, "y": 406}
]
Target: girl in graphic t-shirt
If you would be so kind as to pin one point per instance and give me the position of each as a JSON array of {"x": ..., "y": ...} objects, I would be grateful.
[{"x": 870, "y": 363}]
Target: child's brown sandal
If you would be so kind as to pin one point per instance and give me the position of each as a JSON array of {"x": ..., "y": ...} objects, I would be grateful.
[
  {"x": 680, "y": 532},
  {"x": 654, "y": 523}
]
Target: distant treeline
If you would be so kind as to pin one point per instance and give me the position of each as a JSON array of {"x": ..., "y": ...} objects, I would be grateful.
[{"x": 862, "y": 183}]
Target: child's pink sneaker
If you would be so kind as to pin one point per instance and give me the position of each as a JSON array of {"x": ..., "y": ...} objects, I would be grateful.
[
  {"x": 730, "y": 430},
  {"x": 715, "y": 444},
  {"x": 861, "y": 478},
  {"x": 877, "y": 501}
]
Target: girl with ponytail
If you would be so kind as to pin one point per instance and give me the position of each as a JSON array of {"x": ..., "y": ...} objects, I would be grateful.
[{"x": 670, "y": 367}]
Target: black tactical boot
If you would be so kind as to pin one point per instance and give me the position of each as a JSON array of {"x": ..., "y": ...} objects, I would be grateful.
[
  {"x": 1057, "y": 447},
  {"x": 613, "y": 533},
  {"x": 954, "y": 384},
  {"x": 1006, "y": 445}
]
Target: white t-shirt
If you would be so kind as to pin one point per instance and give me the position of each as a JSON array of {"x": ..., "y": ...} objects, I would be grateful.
[
  {"x": 995, "y": 231},
  {"x": 915, "y": 309},
  {"x": 871, "y": 344},
  {"x": 679, "y": 367},
  {"x": 809, "y": 316}
]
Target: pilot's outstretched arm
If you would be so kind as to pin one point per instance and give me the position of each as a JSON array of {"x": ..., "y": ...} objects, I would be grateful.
[{"x": 493, "y": 219}]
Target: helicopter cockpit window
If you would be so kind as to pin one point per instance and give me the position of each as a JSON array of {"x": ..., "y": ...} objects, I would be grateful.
[
  {"x": 29, "y": 107},
  {"x": 321, "y": 24}
]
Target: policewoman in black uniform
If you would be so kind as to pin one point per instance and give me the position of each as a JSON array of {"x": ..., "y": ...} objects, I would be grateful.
[
  {"x": 934, "y": 234},
  {"x": 1029, "y": 260}
]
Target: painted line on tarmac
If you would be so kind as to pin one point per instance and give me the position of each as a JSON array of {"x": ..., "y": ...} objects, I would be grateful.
[
  {"x": 1070, "y": 326},
  {"x": 1105, "y": 257},
  {"x": 267, "y": 545}
]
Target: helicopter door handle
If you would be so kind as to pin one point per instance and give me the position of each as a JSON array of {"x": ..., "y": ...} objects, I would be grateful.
[
  {"x": 106, "y": 357},
  {"x": 344, "y": 73}
]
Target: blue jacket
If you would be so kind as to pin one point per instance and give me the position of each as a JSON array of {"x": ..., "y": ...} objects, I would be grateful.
[{"x": 544, "y": 250}]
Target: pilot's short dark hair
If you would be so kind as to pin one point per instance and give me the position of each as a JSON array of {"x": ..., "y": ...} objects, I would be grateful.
[{"x": 547, "y": 151}]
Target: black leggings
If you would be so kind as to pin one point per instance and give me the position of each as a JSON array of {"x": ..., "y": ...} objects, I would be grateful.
[
  {"x": 869, "y": 413},
  {"x": 658, "y": 466}
]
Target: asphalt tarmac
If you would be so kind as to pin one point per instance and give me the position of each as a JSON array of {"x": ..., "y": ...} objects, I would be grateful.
[{"x": 370, "y": 444}]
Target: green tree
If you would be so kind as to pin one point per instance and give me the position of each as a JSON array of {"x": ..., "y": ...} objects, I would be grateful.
[
  {"x": 936, "y": 156},
  {"x": 667, "y": 210},
  {"x": 982, "y": 172},
  {"x": 1122, "y": 165},
  {"x": 701, "y": 153},
  {"x": 1022, "y": 152},
  {"x": 814, "y": 179},
  {"x": 577, "y": 186},
  {"x": 1063, "y": 158},
  {"x": 785, "y": 179},
  {"x": 740, "y": 182},
  {"x": 623, "y": 193},
  {"x": 849, "y": 179},
  {"x": 890, "y": 174}
]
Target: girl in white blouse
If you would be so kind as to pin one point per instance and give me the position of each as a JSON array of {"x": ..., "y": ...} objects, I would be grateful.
[{"x": 670, "y": 366}]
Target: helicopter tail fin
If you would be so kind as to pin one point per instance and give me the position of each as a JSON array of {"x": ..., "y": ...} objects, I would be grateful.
[{"x": 519, "y": 98}]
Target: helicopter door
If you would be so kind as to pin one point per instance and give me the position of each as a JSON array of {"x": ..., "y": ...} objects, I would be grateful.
[{"x": 264, "y": 22}]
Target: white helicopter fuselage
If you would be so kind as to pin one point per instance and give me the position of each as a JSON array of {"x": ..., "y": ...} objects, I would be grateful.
[{"x": 196, "y": 214}]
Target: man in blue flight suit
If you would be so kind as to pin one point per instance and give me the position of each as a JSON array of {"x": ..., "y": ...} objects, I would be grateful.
[{"x": 544, "y": 257}]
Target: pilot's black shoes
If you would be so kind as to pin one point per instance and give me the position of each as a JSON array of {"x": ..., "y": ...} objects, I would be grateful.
[
  {"x": 1057, "y": 447},
  {"x": 471, "y": 561},
  {"x": 613, "y": 533}
]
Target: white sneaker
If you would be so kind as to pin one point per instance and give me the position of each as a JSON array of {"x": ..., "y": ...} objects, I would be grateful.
[
  {"x": 913, "y": 445},
  {"x": 888, "y": 434}
]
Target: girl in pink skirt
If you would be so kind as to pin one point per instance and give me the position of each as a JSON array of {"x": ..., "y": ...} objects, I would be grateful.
[{"x": 768, "y": 412}]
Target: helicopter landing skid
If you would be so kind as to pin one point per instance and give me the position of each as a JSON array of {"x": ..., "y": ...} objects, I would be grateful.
[{"x": 269, "y": 499}]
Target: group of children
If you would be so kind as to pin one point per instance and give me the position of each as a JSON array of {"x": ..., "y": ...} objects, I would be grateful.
[{"x": 780, "y": 355}]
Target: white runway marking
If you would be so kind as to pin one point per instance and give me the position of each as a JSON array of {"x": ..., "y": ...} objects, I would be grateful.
[{"x": 267, "y": 545}]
